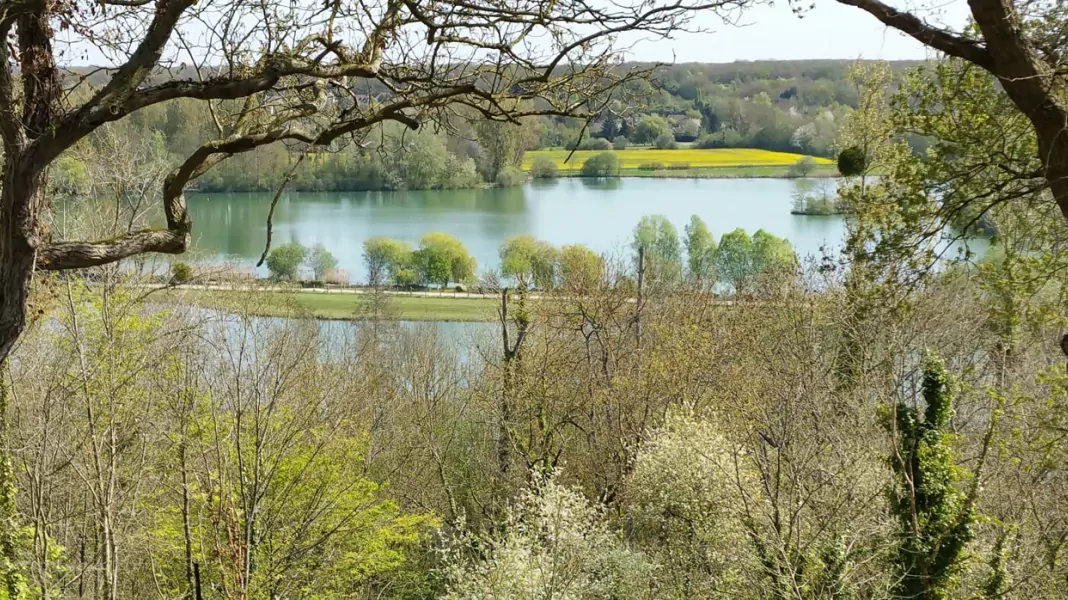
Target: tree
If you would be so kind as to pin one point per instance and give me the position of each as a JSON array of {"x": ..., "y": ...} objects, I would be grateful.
[
  {"x": 772, "y": 253},
  {"x": 649, "y": 129},
  {"x": 663, "y": 254},
  {"x": 734, "y": 258},
  {"x": 609, "y": 126},
  {"x": 803, "y": 167},
  {"x": 935, "y": 516},
  {"x": 529, "y": 261},
  {"x": 442, "y": 258},
  {"x": 580, "y": 267},
  {"x": 554, "y": 540},
  {"x": 602, "y": 164},
  {"x": 1014, "y": 45},
  {"x": 320, "y": 260},
  {"x": 665, "y": 141},
  {"x": 501, "y": 145},
  {"x": 285, "y": 75},
  {"x": 700, "y": 249},
  {"x": 284, "y": 261},
  {"x": 385, "y": 257}
]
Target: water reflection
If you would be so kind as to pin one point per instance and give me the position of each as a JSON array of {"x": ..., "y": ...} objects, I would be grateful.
[{"x": 600, "y": 213}]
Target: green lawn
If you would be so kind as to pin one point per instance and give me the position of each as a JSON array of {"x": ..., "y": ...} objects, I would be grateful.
[{"x": 336, "y": 306}]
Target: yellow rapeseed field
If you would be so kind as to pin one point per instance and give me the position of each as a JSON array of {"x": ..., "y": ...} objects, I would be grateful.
[{"x": 632, "y": 158}]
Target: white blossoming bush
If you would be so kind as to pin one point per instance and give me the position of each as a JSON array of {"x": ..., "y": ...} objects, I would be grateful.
[
  {"x": 555, "y": 546},
  {"x": 684, "y": 498}
]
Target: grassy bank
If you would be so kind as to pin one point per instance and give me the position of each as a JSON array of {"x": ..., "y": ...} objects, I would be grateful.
[{"x": 335, "y": 306}]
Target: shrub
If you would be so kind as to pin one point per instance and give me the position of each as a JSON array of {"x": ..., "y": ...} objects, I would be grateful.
[
  {"x": 602, "y": 164},
  {"x": 543, "y": 167},
  {"x": 510, "y": 177},
  {"x": 653, "y": 166},
  {"x": 852, "y": 161},
  {"x": 594, "y": 144},
  {"x": 181, "y": 273},
  {"x": 678, "y": 166},
  {"x": 620, "y": 143},
  {"x": 665, "y": 141},
  {"x": 803, "y": 167}
]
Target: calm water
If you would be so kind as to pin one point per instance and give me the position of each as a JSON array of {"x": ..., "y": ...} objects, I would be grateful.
[{"x": 600, "y": 214}]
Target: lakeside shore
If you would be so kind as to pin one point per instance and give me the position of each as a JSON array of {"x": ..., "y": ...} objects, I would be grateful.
[{"x": 336, "y": 304}]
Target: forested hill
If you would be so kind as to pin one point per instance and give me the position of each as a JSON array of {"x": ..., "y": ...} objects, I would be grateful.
[{"x": 791, "y": 106}]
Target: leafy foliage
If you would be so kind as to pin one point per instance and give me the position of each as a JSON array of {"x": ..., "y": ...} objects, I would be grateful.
[
  {"x": 284, "y": 261},
  {"x": 935, "y": 517}
]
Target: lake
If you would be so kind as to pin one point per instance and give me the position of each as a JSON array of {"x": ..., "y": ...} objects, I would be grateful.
[{"x": 599, "y": 213}]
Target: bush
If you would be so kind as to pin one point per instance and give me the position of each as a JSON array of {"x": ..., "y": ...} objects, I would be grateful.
[
  {"x": 653, "y": 166},
  {"x": 592, "y": 144},
  {"x": 602, "y": 164},
  {"x": 181, "y": 273},
  {"x": 543, "y": 167},
  {"x": 665, "y": 141},
  {"x": 620, "y": 143},
  {"x": 511, "y": 177},
  {"x": 679, "y": 166},
  {"x": 852, "y": 161}
]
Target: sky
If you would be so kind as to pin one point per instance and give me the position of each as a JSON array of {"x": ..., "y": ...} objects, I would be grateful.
[
  {"x": 767, "y": 32},
  {"x": 829, "y": 30}
]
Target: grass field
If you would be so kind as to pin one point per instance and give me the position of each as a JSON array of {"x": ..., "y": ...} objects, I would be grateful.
[
  {"x": 632, "y": 158},
  {"x": 335, "y": 306}
]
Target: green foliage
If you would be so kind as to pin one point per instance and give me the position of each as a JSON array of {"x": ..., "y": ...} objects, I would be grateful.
[
  {"x": 665, "y": 141},
  {"x": 510, "y": 176},
  {"x": 620, "y": 143},
  {"x": 852, "y": 162},
  {"x": 700, "y": 250},
  {"x": 734, "y": 258},
  {"x": 772, "y": 254},
  {"x": 384, "y": 257},
  {"x": 320, "y": 260},
  {"x": 935, "y": 517},
  {"x": 649, "y": 129},
  {"x": 543, "y": 167},
  {"x": 501, "y": 146},
  {"x": 284, "y": 261},
  {"x": 602, "y": 164},
  {"x": 181, "y": 272},
  {"x": 580, "y": 267},
  {"x": 529, "y": 261},
  {"x": 663, "y": 253},
  {"x": 442, "y": 258}
]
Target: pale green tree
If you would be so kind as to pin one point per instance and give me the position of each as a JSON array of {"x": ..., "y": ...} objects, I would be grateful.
[
  {"x": 529, "y": 261},
  {"x": 442, "y": 258},
  {"x": 700, "y": 249},
  {"x": 663, "y": 252}
]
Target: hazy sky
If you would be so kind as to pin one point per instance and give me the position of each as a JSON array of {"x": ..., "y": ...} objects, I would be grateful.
[{"x": 830, "y": 30}]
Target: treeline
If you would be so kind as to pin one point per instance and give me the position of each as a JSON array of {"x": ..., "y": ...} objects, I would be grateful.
[
  {"x": 658, "y": 253},
  {"x": 788, "y": 106}
]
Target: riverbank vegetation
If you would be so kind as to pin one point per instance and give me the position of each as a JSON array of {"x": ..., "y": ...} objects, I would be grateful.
[
  {"x": 727, "y": 120},
  {"x": 884, "y": 422}
]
